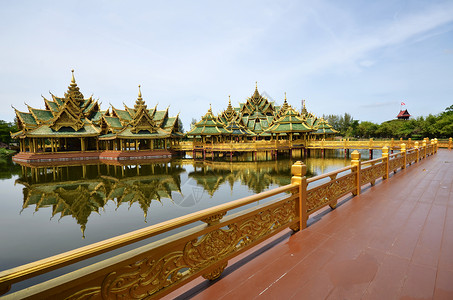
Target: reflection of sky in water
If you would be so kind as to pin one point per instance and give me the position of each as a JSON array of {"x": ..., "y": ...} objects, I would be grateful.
[{"x": 116, "y": 201}]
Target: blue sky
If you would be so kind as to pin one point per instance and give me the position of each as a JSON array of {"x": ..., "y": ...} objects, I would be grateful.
[{"x": 360, "y": 57}]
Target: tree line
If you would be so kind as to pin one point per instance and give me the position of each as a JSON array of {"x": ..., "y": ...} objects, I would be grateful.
[{"x": 440, "y": 126}]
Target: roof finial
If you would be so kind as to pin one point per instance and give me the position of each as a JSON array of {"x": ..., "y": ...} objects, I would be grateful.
[
  {"x": 229, "y": 99},
  {"x": 139, "y": 92},
  {"x": 73, "y": 79},
  {"x": 285, "y": 96},
  {"x": 256, "y": 84}
]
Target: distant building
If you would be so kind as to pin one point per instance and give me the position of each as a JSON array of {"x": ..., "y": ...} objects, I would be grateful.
[{"x": 403, "y": 115}]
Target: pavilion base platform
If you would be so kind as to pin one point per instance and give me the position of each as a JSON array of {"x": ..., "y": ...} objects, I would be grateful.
[
  {"x": 134, "y": 155},
  {"x": 89, "y": 156},
  {"x": 44, "y": 157}
]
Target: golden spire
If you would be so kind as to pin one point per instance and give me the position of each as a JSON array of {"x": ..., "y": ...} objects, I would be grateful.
[
  {"x": 229, "y": 100},
  {"x": 74, "y": 92},
  {"x": 139, "y": 103},
  {"x": 256, "y": 95},
  {"x": 285, "y": 96},
  {"x": 82, "y": 228}
]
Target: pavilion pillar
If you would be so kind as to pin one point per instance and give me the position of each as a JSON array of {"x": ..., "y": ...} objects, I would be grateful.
[
  {"x": 136, "y": 145},
  {"x": 82, "y": 144},
  {"x": 97, "y": 144}
]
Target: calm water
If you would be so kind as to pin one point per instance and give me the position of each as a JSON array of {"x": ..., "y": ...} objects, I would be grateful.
[{"x": 49, "y": 210}]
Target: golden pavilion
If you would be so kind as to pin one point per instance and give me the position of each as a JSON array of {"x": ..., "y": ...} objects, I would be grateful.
[
  {"x": 73, "y": 127},
  {"x": 260, "y": 119}
]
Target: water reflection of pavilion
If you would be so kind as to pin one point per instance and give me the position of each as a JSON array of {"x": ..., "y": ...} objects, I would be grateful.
[
  {"x": 257, "y": 176},
  {"x": 81, "y": 190}
]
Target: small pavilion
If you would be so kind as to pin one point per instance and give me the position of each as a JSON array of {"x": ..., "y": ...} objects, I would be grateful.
[
  {"x": 139, "y": 128},
  {"x": 403, "y": 115},
  {"x": 209, "y": 129}
]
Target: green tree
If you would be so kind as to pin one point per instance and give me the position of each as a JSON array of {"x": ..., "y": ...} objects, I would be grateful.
[
  {"x": 366, "y": 129},
  {"x": 5, "y": 129}
]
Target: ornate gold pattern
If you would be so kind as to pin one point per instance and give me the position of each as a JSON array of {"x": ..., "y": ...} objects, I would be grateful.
[
  {"x": 214, "y": 218},
  {"x": 173, "y": 263},
  {"x": 411, "y": 157},
  {"x": 370, "y": 174},
  {"x": 216, "y": 272},
  {"x": 320, "y": 196},
  {"x": 395, "y": 163}
]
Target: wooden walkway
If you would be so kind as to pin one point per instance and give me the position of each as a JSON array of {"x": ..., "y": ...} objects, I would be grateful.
[{"x": 394, "y": 241}]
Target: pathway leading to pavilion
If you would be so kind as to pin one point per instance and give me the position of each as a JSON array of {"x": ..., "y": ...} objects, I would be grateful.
[{"x": 394, "y": 241}]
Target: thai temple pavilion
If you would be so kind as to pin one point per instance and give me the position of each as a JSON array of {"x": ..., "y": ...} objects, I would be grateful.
[
  {"x": 75, "y": 124},
  {"x": 403, "y": 115},
  {"x": 259, "y": 118}
]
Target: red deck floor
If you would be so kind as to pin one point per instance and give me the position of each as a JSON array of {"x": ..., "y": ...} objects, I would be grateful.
[{"x": 394, "y": 241}]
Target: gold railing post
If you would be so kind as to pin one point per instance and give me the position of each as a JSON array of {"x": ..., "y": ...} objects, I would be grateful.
[
  {"x": 436, "y": 144},
  {"x": 424, "y": 149},
  {"x": 409, "y": 143},
  {"x": 385, "y": 156},
  {"x": 355, "y": 161},
  {"x": 404, "y": 152},
  {"x": 417, "y": 150},
  {"x": 450, "y": 143},
  {"x": 298, "y": 170}
]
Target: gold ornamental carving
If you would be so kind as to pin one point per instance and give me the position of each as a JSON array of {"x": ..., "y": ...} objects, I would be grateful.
[
  {"x": 214, "y": 274},
  {"x": 395, "y": 163},
  {"x": 214, "y": 218},
  {"x": 411, "y": 157},
  {"x": 321, "y": 195},
  {"x": 372, "y": 173},
  {"x": 164, "y": 268}
]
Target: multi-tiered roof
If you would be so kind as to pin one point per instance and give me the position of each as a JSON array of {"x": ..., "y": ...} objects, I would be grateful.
[
  {"x": 73, "y": 116},
  {"x": 260, "y": 117},
  {"x": 139, "y": 122},
  {"x": 70, "y": 116}
]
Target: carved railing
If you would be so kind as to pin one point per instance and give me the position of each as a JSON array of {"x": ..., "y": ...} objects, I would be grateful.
[
  {"x": 328, "y": 193},
  {"x": 159, "y": 267},
  {"x": 311, "y": 144}
]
